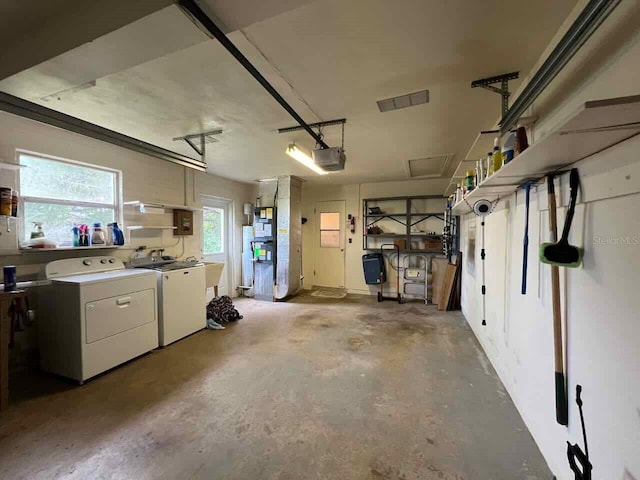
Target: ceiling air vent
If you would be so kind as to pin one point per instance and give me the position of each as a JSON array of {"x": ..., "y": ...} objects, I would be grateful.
[
  {"x": 403, "y": 101},
  {"x": 429, "y": 167}
]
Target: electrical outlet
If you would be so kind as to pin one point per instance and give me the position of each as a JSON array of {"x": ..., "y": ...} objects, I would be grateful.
[{"x": 351, "y": 240}]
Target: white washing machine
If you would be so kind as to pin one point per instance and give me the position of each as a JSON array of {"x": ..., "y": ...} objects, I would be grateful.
[{"x": 95, "y": 315}]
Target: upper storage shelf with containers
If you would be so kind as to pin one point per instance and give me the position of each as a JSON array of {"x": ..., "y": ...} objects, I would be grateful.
[{"x": 595, "y": 126}]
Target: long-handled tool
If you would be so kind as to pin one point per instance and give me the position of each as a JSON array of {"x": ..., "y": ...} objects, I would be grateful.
[
  {"x": 482, "y": 208},
  {"x": 562, "y": 405},
  {"x": 561, "y": 253},
  {"x": 574, "y": 452},
  {"x": 525, "y": 241}
]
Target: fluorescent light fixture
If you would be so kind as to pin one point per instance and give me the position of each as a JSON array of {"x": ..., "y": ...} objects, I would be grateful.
[{"x": 304, "y": 158}]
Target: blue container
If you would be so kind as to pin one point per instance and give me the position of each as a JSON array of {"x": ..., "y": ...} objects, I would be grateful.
[
  {"x": 10, "y": 283},
  {"x": 118, "y": 236}
]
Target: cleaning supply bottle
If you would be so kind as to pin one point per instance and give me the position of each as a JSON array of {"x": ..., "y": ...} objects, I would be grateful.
[
  {"x": 469, "y": 181},
  {"x": 118, "y": 236},
  {"x": 97, "y": 236},
  {"x": 508, "y": 148},
  {"x": 76, "y": 236},
  {"x": 489, "y": 164},
  {"x": 496, "y": 157}
]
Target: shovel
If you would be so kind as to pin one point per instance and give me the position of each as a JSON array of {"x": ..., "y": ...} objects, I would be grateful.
[{"x": 562, "y": 254}]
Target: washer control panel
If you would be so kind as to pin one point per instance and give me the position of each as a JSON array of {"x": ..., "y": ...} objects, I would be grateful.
[{"x": 78, "y": 266}]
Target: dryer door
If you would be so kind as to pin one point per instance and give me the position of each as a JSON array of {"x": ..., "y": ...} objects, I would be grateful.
[{"x": 111, "y": 316}]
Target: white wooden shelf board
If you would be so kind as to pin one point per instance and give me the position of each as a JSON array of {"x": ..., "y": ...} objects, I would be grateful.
[
  {"x": 151, "y": 227},
  {"x": 482, "y": 145},
  {"x": 167, "y": 206},
  {"x": 596, "y": 126}
]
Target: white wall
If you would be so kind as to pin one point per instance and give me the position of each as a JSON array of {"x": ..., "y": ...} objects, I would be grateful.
[
  {"x": 144, "y": 178},
  {"x": 600, "y": 300},
  {"x": 353, "y": 196}
]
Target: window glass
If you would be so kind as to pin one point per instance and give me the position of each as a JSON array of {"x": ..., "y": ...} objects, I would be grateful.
[
  {"x": 330, "y": 238},
  {"x": 330, "y": 229},
  {"x": 330, "y": 221},
  {"x": 66, "y": 181},
  {"x": 62, "y": 194},
  {"x": 212, "y": 230}
]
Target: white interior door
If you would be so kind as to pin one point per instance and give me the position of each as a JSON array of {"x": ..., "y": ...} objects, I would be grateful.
[
  {"x": 217, "y": 227},
  {"x": 329, "y": 241}
]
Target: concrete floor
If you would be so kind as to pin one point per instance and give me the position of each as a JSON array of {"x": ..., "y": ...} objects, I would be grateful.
[{"x": 309, "y": 389}]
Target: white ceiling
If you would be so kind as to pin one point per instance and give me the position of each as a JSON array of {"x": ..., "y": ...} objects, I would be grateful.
[{"x": 161, "y": 78}]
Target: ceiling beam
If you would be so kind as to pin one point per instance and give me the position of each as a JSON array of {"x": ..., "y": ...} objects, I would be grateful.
[
  {"x": 27, "y": 109},
  {"x": 195, "y": 12}
]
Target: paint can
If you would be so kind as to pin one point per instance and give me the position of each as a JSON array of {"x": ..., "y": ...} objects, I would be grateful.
[
  {"x": 10, "y": 283},
  {"x": 5, "y": 201}
]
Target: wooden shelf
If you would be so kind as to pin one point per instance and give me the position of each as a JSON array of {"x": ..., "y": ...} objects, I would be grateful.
[
  {"x": 166, "y": 206},
  {"x": 11, "y": 166},
  {"x": 67, "y": 248},
  {"x": 151, "y": 227},
  {"x": 482, "y": 145},
  {"x": 595, "y": 126}
]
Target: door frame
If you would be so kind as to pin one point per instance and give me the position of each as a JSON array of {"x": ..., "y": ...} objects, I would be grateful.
[
  {"x": 228, "y": 206},
  {"x": 343, "y": 239}
]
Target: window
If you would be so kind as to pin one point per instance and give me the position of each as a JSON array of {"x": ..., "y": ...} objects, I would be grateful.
[
  {"x": 330, "y": 229},
  {"x": 212, "y": 230},
  {"x": 61, "y": 194}
]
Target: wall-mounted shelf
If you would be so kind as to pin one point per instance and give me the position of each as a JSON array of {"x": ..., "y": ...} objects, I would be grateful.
[
  {"x": 402, "y": 221},
  {"x": 67, "y": 248},
  {"x": 596, "y": 126},
  {"x": 167, "y": 206},
  {"x": 11, "y": 166},
  {"x": 151, "y": 227}
]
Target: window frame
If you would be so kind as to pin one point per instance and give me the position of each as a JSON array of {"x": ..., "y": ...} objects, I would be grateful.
[
  {"x": 222, "y": 227},
  {"x": 118, "y": 205},
  {"x": 339, "y": 229}
]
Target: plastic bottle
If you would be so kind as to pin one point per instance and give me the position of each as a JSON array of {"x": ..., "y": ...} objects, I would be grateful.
[
  {"x": 97, "y": 236},
  {"x": 489, "y": 165},
  {"x": 118, "y": 236},
  {"x": 469, "y": 181},
  {"x": 496, "y": 158},
  {"x": 508, "y": 148},
  {"x": 76, "y": 236}
]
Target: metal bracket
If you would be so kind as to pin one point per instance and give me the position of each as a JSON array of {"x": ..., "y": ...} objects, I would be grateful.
[
  {"x": 503, "y": 91},
  {"x": 204, "y": 138},
  {"x": 320, "y": 125}
]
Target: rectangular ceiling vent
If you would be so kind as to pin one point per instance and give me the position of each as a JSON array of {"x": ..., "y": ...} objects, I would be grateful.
[
  {"x": 403, "y": 101},
  {"x": 429, "y": 167}
]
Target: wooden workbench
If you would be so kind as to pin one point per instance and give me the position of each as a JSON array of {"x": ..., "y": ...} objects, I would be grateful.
[{"x": 5, "y": 334}]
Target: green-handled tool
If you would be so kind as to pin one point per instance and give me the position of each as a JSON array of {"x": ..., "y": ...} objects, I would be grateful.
[{"x": 562, "y": 254}]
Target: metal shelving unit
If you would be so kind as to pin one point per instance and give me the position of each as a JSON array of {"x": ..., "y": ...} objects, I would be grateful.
[{"x": 407, "y": 219}]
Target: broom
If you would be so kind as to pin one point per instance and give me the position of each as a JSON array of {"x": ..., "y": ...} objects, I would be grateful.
[{"x": 562, "y": 254}]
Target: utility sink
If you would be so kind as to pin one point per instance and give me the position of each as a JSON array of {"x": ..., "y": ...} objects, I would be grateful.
[{"x": 213, "y": 272}]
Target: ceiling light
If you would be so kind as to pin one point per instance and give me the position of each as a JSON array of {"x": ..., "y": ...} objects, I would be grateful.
[{"x": 304, "y": 158}]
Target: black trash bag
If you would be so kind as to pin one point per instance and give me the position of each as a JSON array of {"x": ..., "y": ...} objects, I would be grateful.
[{"x": 222, "y": 311}]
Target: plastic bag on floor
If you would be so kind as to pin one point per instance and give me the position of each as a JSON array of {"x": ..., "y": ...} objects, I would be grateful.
[{"x": 221, "y": 311}]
